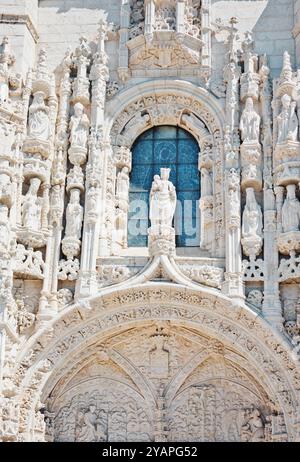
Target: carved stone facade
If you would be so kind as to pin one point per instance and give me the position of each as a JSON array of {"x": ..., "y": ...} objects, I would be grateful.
[{"x": 101, "y": 340}]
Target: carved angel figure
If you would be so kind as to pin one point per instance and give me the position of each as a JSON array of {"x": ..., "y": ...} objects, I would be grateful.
[
  {"x": 39, "y": 121},
  {"x": 162, "y": 200},
  {"x": 79, "y": 127}
]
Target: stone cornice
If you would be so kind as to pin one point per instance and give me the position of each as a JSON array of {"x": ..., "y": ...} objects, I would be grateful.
[{"x": 20, "y": 19}]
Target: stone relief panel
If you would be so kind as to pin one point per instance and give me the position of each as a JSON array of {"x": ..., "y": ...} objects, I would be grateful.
[
  {"x": 103, "y": 415},
  {"x": 218, "y": 411},
  {"x": 161, "y": 383}
]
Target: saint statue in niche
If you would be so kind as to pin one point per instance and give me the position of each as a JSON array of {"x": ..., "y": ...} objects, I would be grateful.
[
  {"x": 162, "y": 200},
  {"x": 74, "y": 215},
  {"x": 79, "y": 127},
  {"x": 249, "y": 124},
  {"x": 39, "y": 121},
  {"x": 252, "y": 216},
  {"x": 287, "y": 121},
  {"x": 91, "y": 426},
  {"x": 31, "y": 209},
  {"x": 123, "y": 183},
  {"x": 291, "y": 210}
]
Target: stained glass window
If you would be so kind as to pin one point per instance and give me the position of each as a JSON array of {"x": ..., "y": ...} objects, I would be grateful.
[{"x": 174, "y": 148}]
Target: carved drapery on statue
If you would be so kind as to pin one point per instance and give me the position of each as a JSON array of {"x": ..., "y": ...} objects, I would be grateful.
[
  {"x": 287, "y": 121},
  {"x": 31, "y": 209},
  {"x": 249, "y": 124},
  {"x": 39, "y": 123},
  {"x": 291, "y": 210},
  {"x": 252, "y": 225},
  {"x": 162, "y": 209}
]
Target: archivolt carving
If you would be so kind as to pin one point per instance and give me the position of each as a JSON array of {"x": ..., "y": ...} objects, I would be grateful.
[
  {"x": 152, "y": 111},
  {"x": 203, "y": 311}
]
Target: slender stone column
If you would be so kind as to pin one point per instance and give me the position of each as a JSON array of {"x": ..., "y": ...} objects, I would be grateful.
[
  {"x": 180, "y": 7},
  {"x": 271, "y": 305},
  {"x": 123, "y": 70},
  {"x": 94, "y": 219},
  {"x": 149, "y": 16},
  {"x": 206, "y": 32},
  {"x": 233, "y": 286},
  {"x": 48, "y": 301}
]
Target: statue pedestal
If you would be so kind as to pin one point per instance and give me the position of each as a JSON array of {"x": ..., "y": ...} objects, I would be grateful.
[
  {"x": 252, "y": 245},
  {"x": 77, "y": 155},
  {"x": 161, "y": 241},
  {"x": 287, "y": 164},
  {"x": 251, "y": 165},
  {"x": 36, "y": 146},
  {"x": 289, "y": 242},
  {"x": 32, "y": 238},
  {"x": 71, "y": 247}
]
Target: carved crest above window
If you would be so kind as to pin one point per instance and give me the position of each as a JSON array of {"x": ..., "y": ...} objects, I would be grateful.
[{"x": 168, "y": 34}]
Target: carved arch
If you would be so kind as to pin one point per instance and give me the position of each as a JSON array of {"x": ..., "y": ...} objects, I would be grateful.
[
  {"x": 171, "y": 103},
  {"x": 198, "y": 310},
  {"x": 157, "y": 98}
]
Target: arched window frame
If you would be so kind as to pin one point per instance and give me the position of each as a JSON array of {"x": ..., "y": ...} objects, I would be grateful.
[{"x": 165, "y": 146}]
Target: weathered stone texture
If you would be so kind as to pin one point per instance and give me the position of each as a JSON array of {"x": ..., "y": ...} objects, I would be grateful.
[{"x": 104, "y": 341}]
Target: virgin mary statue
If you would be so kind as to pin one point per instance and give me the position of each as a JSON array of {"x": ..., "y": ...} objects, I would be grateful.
[{"x": 162, "y": 200}]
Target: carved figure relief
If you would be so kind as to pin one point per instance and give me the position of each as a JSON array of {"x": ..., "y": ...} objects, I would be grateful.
[
  {"x": 216, "y": 401},
  {"x": 39, "y": 122},
  {"x": 291, "y": 210},
  {"x": 252, "y": 216},
  {"x": 74, "y": 215},
  {"x": 287, "y": 121},
  {"x": 162, "y": 200},
  {"x": 250, "y": 122},
  {"x": 31, "y": 209},
  {"x": 79, "y": 127}
]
